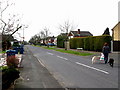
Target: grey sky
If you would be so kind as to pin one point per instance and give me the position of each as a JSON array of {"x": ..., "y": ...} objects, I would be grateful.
[{"x": 89, "y": 15}]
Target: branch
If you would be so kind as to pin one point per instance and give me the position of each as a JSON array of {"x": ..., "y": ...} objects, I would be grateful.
[
  {"x": 14, "y": 32},
  {"x": 4, "y": 26}
]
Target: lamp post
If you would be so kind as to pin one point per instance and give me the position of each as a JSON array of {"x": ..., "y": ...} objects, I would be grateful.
[
  {"x": 23, "y": 33},
  {"x": 23, "y": 36}
]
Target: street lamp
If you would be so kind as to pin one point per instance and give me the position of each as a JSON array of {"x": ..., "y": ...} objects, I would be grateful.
[{"x": 23, "y": 32}]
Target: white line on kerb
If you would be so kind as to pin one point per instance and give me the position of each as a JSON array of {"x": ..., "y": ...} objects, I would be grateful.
[
  {"x": 92, "y": 68},
  {"x": 62, "y": 58},
  {"x": 41, "y": 62}
]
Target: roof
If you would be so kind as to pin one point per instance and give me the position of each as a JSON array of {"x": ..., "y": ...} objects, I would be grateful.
[
  {"x": 82, "y": 33},
  {"x": 85, "y": 33},
  {"x": 64, "y": 34},
  {"x": 115, "y": 26}
]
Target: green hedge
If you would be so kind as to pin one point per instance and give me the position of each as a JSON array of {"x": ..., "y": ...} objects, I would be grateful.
[
  {"x": 94, "y": 43},
  {"x": 60, "y": 41},
  {"x": 76, "y": 43}
]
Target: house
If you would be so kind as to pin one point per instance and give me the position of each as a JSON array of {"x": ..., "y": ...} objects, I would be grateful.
[
  {"x": 79, "y": 34},
  {"x": 116, "y": 37},
  {"x": 49, "y": 40},
  {"x": 52, "y": 40}
]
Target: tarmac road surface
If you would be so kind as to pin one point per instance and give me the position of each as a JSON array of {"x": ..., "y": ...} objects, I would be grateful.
[{"x": 71, "y": 71}]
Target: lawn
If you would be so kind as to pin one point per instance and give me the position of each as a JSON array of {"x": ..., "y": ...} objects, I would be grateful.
[
  {"x": 67, "y": 51},
  {"x": 2, "y": 52}
]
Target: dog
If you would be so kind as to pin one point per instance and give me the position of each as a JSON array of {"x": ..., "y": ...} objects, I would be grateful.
[
  {"x": 111, "y": 62},
  {"x": 95, "y": 58}
]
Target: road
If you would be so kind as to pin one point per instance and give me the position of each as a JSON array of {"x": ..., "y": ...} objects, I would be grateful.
[{"x": 76, "y": 71}]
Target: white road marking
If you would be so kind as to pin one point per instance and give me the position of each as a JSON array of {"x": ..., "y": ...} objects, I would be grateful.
[
  {"x": 50, "y": 53},
  {"x": 41, "y": 62},
  {"x": 62, "y": 57},
  {"x": 65, "y": 58},
  {"x": 92, "y": 68}
]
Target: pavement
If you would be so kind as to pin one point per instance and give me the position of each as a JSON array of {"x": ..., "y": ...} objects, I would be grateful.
[{"x": 33, "y": 75}]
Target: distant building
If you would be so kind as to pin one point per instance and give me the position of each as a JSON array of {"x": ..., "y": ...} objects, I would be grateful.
[
  {"x": 49, "y": 40},
  {"x": 79, "y": 34},
  {"x": 116, "y": 37}
]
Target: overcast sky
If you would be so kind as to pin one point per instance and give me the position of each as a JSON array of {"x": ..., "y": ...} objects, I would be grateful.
[{"x": 90, "y": 15}]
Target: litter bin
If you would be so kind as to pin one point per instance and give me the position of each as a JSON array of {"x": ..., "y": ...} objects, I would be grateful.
[
  {"x": 11, "y": 52},
  {"x": 21, "y": 50},
  {"x": 16, "y": 49}
]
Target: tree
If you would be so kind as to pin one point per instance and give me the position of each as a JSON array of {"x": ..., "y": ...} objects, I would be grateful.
[
  {"x": 106, "y": 32},
  {"x": 45, "y": 33},
  {"x": 8, "y": 26},
  {"x": 66, "y": 27},
  {"x": 35, "y": 39}
]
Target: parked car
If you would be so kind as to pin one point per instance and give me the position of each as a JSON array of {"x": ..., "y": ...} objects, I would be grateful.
[
  {"x": 43, "y": 44},
  {"x": 51, "y": 44}
]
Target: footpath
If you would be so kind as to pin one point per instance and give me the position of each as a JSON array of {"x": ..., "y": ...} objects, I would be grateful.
[{"x": 34, "y": 75}]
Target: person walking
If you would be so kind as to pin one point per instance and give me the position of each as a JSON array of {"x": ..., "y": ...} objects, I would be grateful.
[{"x": 106, "y": 51}]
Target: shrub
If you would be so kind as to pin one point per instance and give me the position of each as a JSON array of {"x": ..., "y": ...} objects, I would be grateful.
[
  {"x": 12, "y": 61},
  {"x": 60, "y": 41},
  {"x": 9, "y": 75},
  {"x": 94, "y": 43},
  {"x": 100, "y": 40},
  {"x": 76, "y": 43},
  {"x": 86, "y": 44}
]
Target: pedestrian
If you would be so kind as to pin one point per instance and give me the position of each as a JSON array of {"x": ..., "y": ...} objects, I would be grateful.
[{"x": 106, "y": 51}]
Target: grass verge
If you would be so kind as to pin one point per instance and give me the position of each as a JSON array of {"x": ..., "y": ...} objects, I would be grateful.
[
  {"x": 2, "y": 52},
  {"x": 67, "y": 51}
]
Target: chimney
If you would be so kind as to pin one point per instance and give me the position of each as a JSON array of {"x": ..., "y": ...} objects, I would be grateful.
[{"x": 78, "y": 31}]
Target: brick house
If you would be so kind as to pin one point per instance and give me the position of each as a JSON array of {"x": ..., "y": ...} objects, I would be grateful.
[
  {"x": 79, "y": 34},
  {"x": 116, "y": 37}
]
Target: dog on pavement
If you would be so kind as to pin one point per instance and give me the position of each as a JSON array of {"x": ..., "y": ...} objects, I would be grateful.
[
  {"x": 111, "y": 62},
  {"x": 95, "y": 59}
]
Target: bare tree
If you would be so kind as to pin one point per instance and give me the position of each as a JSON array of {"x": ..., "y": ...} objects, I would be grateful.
[
  {"x": 12, "y": 24},
  {"x": 42, "y": 34},
  {"x": 47, "y": 31},
  {"x": 66, "y": 27},
  {"x": 35, "y": 39}
]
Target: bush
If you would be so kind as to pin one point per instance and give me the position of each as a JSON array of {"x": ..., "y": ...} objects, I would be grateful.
[
  {"x": 60, "y": 41},
  {"x": 9, "y": 75},
  {"x": 100, "y": 40},
  {"x": 94, "y": 43},
  {"x": 86, "y": 44},
  {"x": 12, "y": 61},
  {"x": 76, "y": 43}
]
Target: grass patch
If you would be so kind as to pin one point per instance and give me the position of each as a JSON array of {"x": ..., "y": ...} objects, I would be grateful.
[
  {"x": 50, "y": 48},
  {"x": 2, "y": 51},
  {"x": 68, "y": 51},
  {"x": 74, "y": 52}
]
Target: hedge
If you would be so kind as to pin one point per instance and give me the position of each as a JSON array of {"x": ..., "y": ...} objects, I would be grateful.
[
  {"x": 60, "y": 41},
  {"x": 94, "y": 43},
  {"x": 76, "y": 43}
]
